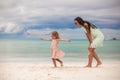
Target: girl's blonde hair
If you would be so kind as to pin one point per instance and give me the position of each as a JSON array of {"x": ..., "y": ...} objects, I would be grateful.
[{"x": 55, "y": 34}]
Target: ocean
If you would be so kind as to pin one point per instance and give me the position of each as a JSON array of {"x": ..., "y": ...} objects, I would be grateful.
[{"x": 38, "y": 50}]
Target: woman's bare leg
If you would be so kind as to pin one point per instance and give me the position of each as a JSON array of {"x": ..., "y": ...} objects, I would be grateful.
[
  {"x": 90, "y": 58},
  {"x": 97, "y": 58}
]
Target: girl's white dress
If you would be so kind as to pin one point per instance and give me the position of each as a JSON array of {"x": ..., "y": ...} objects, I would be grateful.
[
  {"x": 55, "y": 51},
  {"x": 97, "y": 37}
]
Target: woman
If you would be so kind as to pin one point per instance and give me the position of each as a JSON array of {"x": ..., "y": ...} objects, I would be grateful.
[{"x": 95, "y": 38}]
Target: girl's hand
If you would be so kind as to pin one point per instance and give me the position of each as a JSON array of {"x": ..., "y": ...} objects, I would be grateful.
[
  {"x": 41, "y": 39},
  {"x": 68, "y": 40},
  {"x": 45, "y": 39}
]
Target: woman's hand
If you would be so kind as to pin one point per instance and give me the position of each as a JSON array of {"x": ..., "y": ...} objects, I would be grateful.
[{"x": 89, "y": 46}]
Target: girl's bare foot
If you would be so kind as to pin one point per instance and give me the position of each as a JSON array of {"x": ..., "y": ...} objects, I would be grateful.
[
  {"x": 54, "y": 67},
  {"x": 61, "y": 64}
]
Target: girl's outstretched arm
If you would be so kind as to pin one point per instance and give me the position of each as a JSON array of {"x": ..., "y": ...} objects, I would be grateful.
[
  {"x": 67, "y": 40},
  {"x": 46, "y": 39}
]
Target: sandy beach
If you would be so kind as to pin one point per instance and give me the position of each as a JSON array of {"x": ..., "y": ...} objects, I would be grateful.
[{"x": 45, "y": 71}]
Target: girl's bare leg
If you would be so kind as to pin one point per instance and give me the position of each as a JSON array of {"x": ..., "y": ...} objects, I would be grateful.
[
  {"x": 60, "y": 62},
  {"x": 54, "y": 62}
]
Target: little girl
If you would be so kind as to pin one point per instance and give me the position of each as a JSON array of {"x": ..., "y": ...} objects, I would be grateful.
[{"x": 56, "y": 53}]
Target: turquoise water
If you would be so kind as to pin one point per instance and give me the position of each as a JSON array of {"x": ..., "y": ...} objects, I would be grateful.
[{"x": 38, "y": 50}]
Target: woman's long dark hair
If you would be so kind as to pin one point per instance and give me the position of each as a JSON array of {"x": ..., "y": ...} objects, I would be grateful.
[{"x": 81, "y": 22}]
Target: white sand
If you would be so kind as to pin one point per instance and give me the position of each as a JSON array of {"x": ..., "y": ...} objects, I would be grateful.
[{"x": 70, "y": 71}]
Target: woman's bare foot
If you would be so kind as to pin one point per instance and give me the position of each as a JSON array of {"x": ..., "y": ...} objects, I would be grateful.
[
  {"x": 98, "y": 64},
  {"x": 87, "y": 66}
]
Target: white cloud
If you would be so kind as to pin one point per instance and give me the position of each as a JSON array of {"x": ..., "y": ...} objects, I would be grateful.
[
  {"x": 14, "y": 14},
  {"x": 30, "y": 11},
  {"x": 110, "y": 33},
  {"x": 35, "y": 33},
  {"x": 39, "y": 32},
  {"x": 10, "y": 28},
  {"x": 71, "y": 33},
  {"x": 66, "y": 33}
]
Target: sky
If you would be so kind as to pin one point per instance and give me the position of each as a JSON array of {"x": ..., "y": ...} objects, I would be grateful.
[{"x": 33, "y": 19}]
